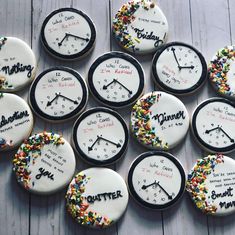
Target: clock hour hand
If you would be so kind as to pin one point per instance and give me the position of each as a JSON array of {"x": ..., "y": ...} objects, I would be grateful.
[
  {"x": 187, "y": 67},
  {"x": 231, "y": 140},
  {"x": 111, "y": 142},
  {"x": 213, "y": 129},
  {"x": 130, "y": 92},
  {"x": 173, "y": 50},
  {"x": 67, "y": 98},
  {"x": 149, "y": 185},
  {"x": 106, "y": 86},
  {"x": 50, "y": 102},
  {"x": 168, "y": 195},
  {"x": 60, "y": 43},
  {"x": 75, "y": 36},
  {"x": 91, "y": 147}
]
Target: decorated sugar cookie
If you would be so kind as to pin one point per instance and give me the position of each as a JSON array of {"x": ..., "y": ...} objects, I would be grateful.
[
  {"x": 211, "y": 185},
  {"x": 97, "y": 197},
  {"x": 116, "y": 79},
  {"x": 179, "y": 68},
  {"x": 222, "y": 72},
  {"x": 68, "y": 33},
  {"x": 213, "y": 125},
  {"x": 100, "y": 136},
  {"x": 140, "y": 26},
  {"x": 44, "y": 163},
  {"x": 159, "y": 120},
  {"x": 156, "y": 180},
  {"x": 17, "y": 64},
  {"x": 16, "y": 121},
  {"x": 58, "y": 94}
]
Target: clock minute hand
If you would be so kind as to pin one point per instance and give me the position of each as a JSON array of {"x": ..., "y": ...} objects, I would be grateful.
[
  {"x": 74, "y": 101},
  {"x": 109, "y": 141},
  {"x": 149, "y": 185},
  {"x": 130, "y": 92},
  {"x": 169, "y": 196},
  {"x": 232, "y": 140},
  {"x": 173, "y": 50},
  {"x": 75, "y": 36},
  {"x": 91, "y": 147}
]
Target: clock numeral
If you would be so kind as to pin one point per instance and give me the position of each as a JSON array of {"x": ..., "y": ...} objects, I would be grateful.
[
  {"x": 55, "y": 113},
  {"x": 163, "y": 199},
  {"x": 71, "y": 107},
  {"x": 57, "y": 74},
  {"x": 116, "y": 62},
  {"x": 98, "y": 115},
  {"x": 60, "y": 14},
  {"x": 48, "y": 97}
]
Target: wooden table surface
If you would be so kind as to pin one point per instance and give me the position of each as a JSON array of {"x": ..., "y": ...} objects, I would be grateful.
[{"x": 206, "y": 24}]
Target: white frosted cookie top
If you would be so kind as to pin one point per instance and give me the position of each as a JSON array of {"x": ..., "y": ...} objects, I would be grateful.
[
  {"x": 17, "y": 64},
  {"x": 159, "y": 120},
  {"x": 140, "y": 26},
  {"x": 45, "y": 163},
  {"x": 211, "y": 185},
  {"x": 97, "y": 197},
  {"x": 16, "y": 121}
]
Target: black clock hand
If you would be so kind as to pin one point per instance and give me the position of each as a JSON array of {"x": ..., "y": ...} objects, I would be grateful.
[
  {"x": 60, "y": 43},
  {"x": 74, "y": 101},
  {"x": 130, "y": 92},
  {"x": 146, "y": 186},
  {"x": 91, "y": 147},
  {"x": 105, "y": 87},
  {"x": 109, "y": 141},
  {"x": 213, "y": 129},
  {"x": 187, "y": 67},
  {"x": 169, "y": 196},
  {"x": 75, "y": 36},
  {"x": 173, "y": 50},
  {"x": 231, "y": 140},
  {"x": 50, "y": 102}
]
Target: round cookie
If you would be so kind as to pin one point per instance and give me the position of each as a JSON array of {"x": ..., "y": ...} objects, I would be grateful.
[
  {"x": 97, "y": 197},
  {"x": 68, "y": 34},
  {"x": 100, "y": 136},
  {"x": 222, "y": 72},
  {"x": 58, "y": 94},
  {"x": 17, "y": 64},
  {"x": 159, "y": 120},
  {"x": 44, "y": 163},
  {"x": 116, "y": 79},
  {"x": 16, "y": 121},
  {"x": 211, "y": 185},
  {"x": 156, "y": 180},
  {"x": 213, "y": 125},
  {"x": 140, "y": 27},
  {"x": 179, "y": 68}
]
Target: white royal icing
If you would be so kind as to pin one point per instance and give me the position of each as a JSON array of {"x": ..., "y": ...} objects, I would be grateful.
[
  {"x": 159, "y": 120},
  {"x": 16, "y": 121},
  {"x": 140, "y": 26},
  {"x": 50, "y": 168},
  {"x": 99, "y": 193},
  {"x": 211, "y": 185},
  {"x": 17, "y": 64}
]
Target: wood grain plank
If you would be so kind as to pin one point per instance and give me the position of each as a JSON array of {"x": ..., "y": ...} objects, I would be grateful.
[
  {"x": 15, "y": 20},
  {"x": 48, "y": 214}
]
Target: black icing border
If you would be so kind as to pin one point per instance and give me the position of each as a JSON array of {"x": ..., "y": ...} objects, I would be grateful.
[
  {"x": 138, "y": 198},
  {"x": 194, "y": 129},
  {"x": 33, "y": 101},
  {"x": 124, "y": 56},
  {"x": 82, "y": 154},
  {"x": 79, "y": 54},
  {"x": 157, "y": 80}
]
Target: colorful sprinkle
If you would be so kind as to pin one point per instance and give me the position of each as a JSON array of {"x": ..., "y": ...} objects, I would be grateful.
[
  {"x": 219, "y": 68},
  {"x": 196, "y": 182},
  {"x": 77, "y": 206},
  {"x": 29, "y": 151},
  {"x": 141, "y": 125}
]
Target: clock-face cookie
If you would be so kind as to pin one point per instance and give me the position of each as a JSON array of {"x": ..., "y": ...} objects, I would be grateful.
[
  {"x": 222, "y": 72},
  {"x": 213, "y": 125},
  {"x": 58, "y": 94},
  {"x": 16, "y": 121},
  {"x": 97, "y": 197},
  {"x": 100, "y": 136},
  {"x": 45, "y": 163},
  {"x": 179, "y": 68},
  {"x": 157, "y": 125},
  {"x": 68, "y": 33},
  {"x": 140, "y": 26},
  {"x": 156, "y": 180},
  {"x": 17, "y": 64},
  {"x": 116, "y": 79},
  {"x": 211, "y": 185}
]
